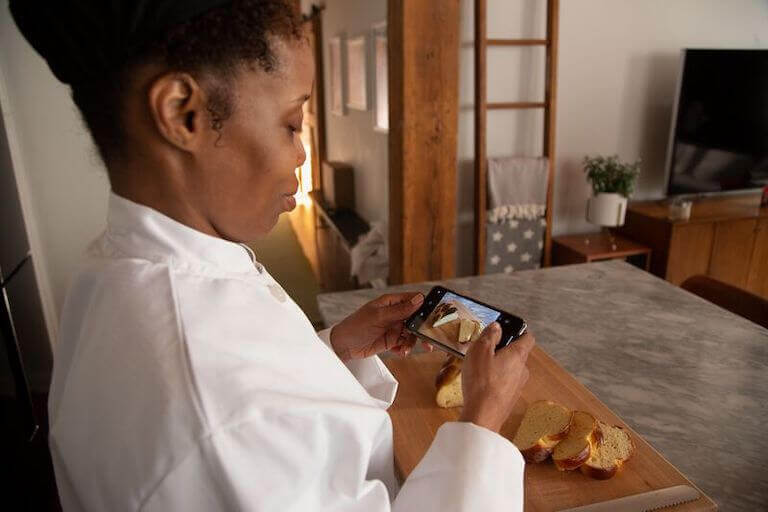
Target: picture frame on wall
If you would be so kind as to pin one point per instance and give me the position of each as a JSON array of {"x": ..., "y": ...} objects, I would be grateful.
[
  {"x": 357, "y": 78},
  {"x": 336, "y": 71},
  {"x": 380, "y": 78}
]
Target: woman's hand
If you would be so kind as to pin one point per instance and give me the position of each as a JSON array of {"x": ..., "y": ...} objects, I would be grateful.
[
  {"x": 492, "y": 381},
  {"x": 377, "y": 327}
]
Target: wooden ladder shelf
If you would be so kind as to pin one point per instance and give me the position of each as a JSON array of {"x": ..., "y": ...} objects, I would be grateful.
[{"x": 482, "y": 106}]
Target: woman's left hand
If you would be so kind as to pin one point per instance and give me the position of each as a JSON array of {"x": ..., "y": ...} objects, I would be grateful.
[{"x": 377, "y": 327}]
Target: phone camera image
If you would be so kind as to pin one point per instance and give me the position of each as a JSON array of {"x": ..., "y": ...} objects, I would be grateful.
[{"x": 457, "y": 321}]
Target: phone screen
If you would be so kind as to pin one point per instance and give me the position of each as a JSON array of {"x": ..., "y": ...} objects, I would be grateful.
[{"x": 454, "y": 321}]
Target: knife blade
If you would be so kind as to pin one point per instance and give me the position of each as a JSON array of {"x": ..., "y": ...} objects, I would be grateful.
[{"x": 643, "y": 502}]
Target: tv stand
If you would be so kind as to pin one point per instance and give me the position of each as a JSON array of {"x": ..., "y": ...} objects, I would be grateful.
[{"x": 725, "y": 238}]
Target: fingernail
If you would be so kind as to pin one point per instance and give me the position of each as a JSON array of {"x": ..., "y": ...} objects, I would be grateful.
[
  {"x": 495, "y": 327},
  {"x": 418, "y": 299}
]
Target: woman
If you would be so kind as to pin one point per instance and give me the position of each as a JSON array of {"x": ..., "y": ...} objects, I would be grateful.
[{"x": 184, "y": 378}]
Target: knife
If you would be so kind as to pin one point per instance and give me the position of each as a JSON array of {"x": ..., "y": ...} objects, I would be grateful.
[{"x": 643, "y": 502}]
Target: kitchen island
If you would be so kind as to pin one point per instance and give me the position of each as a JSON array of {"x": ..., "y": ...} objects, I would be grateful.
[{"x": 688, "y": 376}]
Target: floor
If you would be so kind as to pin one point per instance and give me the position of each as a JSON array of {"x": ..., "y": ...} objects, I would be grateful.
[{"x": 281, "y": 254}]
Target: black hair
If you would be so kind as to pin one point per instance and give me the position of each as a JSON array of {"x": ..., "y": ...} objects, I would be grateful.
[{"x": 216, "y": 43}]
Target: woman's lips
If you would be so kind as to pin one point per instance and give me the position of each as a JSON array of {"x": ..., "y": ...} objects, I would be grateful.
[{"x": 289, "y": 202}]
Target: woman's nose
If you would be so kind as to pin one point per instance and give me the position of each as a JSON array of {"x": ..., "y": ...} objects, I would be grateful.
[{"x": 302, "y": 153}]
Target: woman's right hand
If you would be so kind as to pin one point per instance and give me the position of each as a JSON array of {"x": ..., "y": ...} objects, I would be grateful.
[{"x": 492, "y": 381}]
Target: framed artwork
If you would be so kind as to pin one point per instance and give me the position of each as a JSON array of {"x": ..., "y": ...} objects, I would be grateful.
[
  {"x": 336, "y": 72},
  {"x": 357, "y": 79},
  {"x": 381, "y": 78}
]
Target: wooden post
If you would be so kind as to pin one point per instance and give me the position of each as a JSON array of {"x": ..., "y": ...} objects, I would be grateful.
[
  {"x": 423, "y": 110},
  {"x": 481, "y": 156},
  {"x": 318, "y": 100},
  {"x": 550, "y": 114}
]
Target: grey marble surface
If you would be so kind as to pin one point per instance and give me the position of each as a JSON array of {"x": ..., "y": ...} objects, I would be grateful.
[{"x": 690, "y": 377}]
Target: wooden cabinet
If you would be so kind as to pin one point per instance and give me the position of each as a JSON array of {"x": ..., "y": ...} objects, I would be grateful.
[
  {"x": 731, "y": 249},
  {"x": 327, "y": 237},
  {"x": 725, "y": 238},
  {"x": 335, "y": 263},
  {"x": 757, "y": 277}
]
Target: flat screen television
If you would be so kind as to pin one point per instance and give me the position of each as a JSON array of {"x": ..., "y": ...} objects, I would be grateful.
[{"x": 719, "y": 135}]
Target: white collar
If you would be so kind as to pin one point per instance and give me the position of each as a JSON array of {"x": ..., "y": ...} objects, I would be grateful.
[{"x": 143, "y": 232}]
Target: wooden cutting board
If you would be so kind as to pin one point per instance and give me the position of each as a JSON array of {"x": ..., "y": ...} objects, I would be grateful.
[{"x": 416, "y": 418}]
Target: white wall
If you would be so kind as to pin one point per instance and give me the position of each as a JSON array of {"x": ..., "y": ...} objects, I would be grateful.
[
  {"x": 351, "y": 138},
  {"x": 62, "y": 184},
  {"x": 618, "y": 68}
]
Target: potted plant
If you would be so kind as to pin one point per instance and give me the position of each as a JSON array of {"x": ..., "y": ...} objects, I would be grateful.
[{"x": 612, "y": 183}]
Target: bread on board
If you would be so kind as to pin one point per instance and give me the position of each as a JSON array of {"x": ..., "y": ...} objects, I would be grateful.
[
  {"x": 448, "y": 384},
  {"x": 544, "y": 425},
  {"x": 608, "y": 456},
  {"x": 576, "y": 448}
]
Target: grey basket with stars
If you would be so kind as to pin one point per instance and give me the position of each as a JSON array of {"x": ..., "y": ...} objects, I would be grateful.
[{"x": 514, "y": 244}]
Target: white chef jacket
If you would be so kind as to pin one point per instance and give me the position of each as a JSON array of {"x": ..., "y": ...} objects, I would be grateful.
[{"x": 185, "y": 379}]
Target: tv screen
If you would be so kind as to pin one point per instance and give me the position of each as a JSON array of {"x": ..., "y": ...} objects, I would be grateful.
[{"x": 719, "y": 138}]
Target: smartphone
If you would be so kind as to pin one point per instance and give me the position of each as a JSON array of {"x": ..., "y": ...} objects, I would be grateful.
[{"x": 451, "y": 321}]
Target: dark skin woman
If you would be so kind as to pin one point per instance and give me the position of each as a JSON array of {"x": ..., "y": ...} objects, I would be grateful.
[{"x": 199, "y": 120}]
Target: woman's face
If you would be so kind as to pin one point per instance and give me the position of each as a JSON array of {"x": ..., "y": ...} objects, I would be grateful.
[{"x": 247, "y": 179}]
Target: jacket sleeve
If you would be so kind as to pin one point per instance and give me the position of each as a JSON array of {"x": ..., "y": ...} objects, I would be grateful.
[
  {"x": 466, "y": 468},
  {"x": 371, "y": 373},
  {"x": 289, "y": 463}
]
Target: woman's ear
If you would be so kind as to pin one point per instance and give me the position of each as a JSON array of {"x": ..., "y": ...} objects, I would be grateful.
[{"x": 177, "y": 104}]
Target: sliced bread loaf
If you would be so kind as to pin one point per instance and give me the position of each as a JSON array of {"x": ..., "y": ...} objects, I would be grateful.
[
  {"x": 609, "y": 455},
  {"x": 448, "y": 382},
  {"x": 545, "y": 423},
  {"x": 575, "y": 449}
]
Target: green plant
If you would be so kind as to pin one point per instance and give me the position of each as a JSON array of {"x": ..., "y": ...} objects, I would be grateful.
[{"x": 608, "y": 174}]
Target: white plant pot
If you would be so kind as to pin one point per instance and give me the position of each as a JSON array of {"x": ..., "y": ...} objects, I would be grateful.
[{"x": 607, "y": 209}]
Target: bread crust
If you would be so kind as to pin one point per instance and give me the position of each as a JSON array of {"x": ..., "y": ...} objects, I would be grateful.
[
  {"x": 536, "y": 453},
  {"x": 576, "y": 461},
  {"x": 540, "y": 452},
  {"x": 450, "y": 370},
  {"x": 607, "y": 473},
  {"x": 563, "y": 433}
]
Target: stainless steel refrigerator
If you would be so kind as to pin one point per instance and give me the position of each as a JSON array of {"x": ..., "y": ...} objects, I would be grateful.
[{"x": 25, "y": 357}]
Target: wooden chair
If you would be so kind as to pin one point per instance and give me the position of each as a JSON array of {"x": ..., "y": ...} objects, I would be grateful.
[{"x": 738, "y": 301}]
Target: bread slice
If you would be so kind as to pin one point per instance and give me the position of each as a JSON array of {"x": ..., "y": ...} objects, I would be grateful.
[
  {"x": 448, "y": 384},
  {"x": 478, "y": 331},
  {"x": 466, "y": 329},
  {"x": 448, "y": 318},
  {"x": 610, "y": 454},
  {"x": 575, "y": 449},
  {"x": 545, "y": 423}
]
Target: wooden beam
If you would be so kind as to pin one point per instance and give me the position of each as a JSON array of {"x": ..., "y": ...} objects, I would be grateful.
[
  {"x": 550, "y": 116},
  {"x": 423, "y": 109},
  {"x": 517, "y": 42},
  {"x": 318, "y": 101},
  {"x": 480, "y": 133},
  {"x": 516, "y": 105}
]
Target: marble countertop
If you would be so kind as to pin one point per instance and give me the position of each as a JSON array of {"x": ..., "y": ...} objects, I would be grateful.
[{"x": 690, "y": 377}]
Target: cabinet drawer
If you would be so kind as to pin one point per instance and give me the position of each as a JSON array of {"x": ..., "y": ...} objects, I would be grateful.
[
  {"x": 757, "y": 280},
  {"x": 732, "y": 251},
  {"x": 689, "y": 250}
]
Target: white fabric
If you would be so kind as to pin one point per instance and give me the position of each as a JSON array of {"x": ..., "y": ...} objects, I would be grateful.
[
  {"x": 502, "y": 214},
  {"x": 183, "y": 382},
  {"x": 369, "y": 258},
  {"x": 517, "y": 180}
]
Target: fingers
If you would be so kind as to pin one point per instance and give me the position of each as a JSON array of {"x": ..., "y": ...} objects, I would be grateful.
[
  {"x": 390, "y": 299},
  {"x": 491, "y": 334},
  {"x": 524, "y": 345},
  {"x": 487, "y": 340},
  {"x": 398, "y": 311}
]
